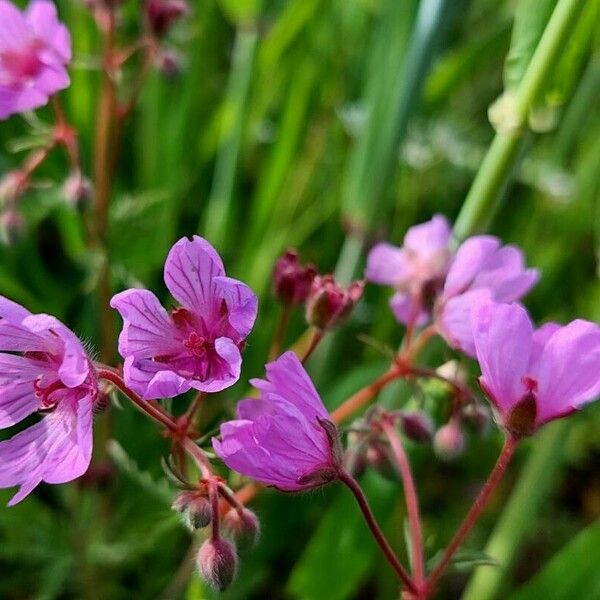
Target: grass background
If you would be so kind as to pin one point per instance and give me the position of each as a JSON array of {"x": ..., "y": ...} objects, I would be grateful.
[{"x": 310, "y": 124}]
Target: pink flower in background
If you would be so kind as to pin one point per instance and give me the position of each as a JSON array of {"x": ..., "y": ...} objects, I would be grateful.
[
  {"x": 482, "y": 271},
  {"x": 416, "y": 271},
  {"x": 534, "y": 376},
  {"x": 43, "y": 367},
  {"x": 35, "y": 49},
  {"x": 197, "y": 345},
  {"x": 329, "y": 303},
  {"x": 283, "y": 438}
]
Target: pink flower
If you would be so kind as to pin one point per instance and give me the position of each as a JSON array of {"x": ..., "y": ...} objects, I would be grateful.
[
  {"x": 329, "y": 304},
  {"x": 534, "y": 376},
  {"x": 416, "y": 271},
  {"x": 35, "y": 48},
  {"x": 284, "y": 438},
  {"x": 482, "y": 271},
  {"x": 197, "y": 345},
  {"x": 43, "y": 367}
]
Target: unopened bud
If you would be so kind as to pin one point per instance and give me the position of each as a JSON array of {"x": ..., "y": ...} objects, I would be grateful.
[
  {"x": 449, "y": 440},
  {"x": 243, "y": 528},
  {"x": 217, "y": 563},
  {"x": 379, "y": 458},
  {"x": 478, "y": 417},
  {"x": 195, "y": 509},
  {"x": 12, "y": 226},
  {"x": 168, "y": 62},
  {"x": 161, "y": 14},
  {"x": 329, "y": 303},
  {"x": 11, "y": 184},
  {"x": 417, "y": 426},
  {"x": 291, "y": 280},
  {"x": 77, "y": 188}
]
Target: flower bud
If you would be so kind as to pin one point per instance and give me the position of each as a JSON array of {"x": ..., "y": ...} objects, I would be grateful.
[
  {"x": 77, "y": 188},
  {"x": 168, "y": 62},
  {"x": 417, "y": 426},
  {"x": 478, "y": 417},
  {"x": 161, "y": 14},
  {"x": 329, "y": 303},
  {"x": 379, "y": 458},
  {"x": 195, "y": 509},
  {"x": 291, "y": 280},
  {"x": 217, "y": 563},
  {"x": 12, "y": 225},
  {"x": 244, "y": 528},
  {"x": 449, "y": 441}
]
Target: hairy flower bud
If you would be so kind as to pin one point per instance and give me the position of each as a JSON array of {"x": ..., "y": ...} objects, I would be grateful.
[
  {"x": 161, "y": 14},
  {"x": 478, "y": 417},
  {"x": 449, "y": 440},
  {"x": 291, "y": 280},
  {"x": 243, "y": 528},
  {"x": 329, "y": 303},
  {"x": 217, "y": 563},
  {"x": 77, "y": 188},
  {"x": 379, "y": 458},
  {"x": 417, "y": 426},
  {"x": 195, "y": 509}
]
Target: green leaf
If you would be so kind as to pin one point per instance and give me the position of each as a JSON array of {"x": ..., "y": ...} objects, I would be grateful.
[{"x": 572, "y": 573}]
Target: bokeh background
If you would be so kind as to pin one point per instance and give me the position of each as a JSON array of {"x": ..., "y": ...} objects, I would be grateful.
[{"x": 314, "y": 124}]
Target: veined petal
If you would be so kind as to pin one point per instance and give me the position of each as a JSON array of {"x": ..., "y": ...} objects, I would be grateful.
[
  {"x": 503, "y": 340},
  {"x": 190, "y": 268},
  {"x": 224, "y": 370},
  {"x": 153, "y": 380},
  {"x": 147, "y": 328},
  {"x": 11, "y": 311},
  {"x": 287, "y": 378},
  {"x": 241, "y": 301}
]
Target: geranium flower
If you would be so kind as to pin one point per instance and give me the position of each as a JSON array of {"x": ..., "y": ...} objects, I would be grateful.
[
  {"x": 43, "y": 368},
  {"x": 198, "y": 344}
]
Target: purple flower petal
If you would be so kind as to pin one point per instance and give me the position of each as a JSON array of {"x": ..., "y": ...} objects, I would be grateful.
[
  {"x": 455, "y": 322},
  {"x": 11, "y": 311},
  {"x": 430, "y": 238},
  {"x": 387, "y": 265},
  {"x": 241, "y": 301},
  {"x": 287, "y": 377},
  {"x": 407, "y": 309},
  {"x": 190, "y": 268},
  {"x": 503, "y": 341},
  {"x": 148, "y": 329},
  {"x": 43, "y": 19},
  {"x": 569, "y": 369},
  {"x": 469, "y": 260}
]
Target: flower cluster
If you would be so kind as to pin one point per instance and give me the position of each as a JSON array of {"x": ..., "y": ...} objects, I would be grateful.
[{"x": 35, "y": 49}]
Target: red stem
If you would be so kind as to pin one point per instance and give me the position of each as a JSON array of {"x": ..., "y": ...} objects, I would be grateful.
[
  {"x": 508, "y": 450},
  {"x": 389, "y": 554},
  {"x": 412, "y": 502},
  {"x": 317, "y": 336}
]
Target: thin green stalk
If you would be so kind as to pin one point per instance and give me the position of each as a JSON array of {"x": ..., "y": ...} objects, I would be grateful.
[
  {"x": 220, "y": 201},
  {"x": 500, "y": 158}
]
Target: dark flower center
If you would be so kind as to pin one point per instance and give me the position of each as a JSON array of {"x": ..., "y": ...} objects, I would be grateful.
[
  {"x": 21, "y": 65},
  {"x": 196, "y": 344}
]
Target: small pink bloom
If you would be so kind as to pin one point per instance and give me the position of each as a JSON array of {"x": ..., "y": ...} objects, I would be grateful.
[
  {"x": 416, "y": 271},
  {"x": 35, "y": 49},
  {"x": 534, "y": 376},
  {"x": 198, "y": 345},
  {"x": 162, "y": 14},
  {"x": 43, "y": 367},
  {"x": 483, "y": 270},
  {"x": 284, "y": 438},
  {"x": 329, "y": 304},
  {"x": 292, "y": 281}
]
